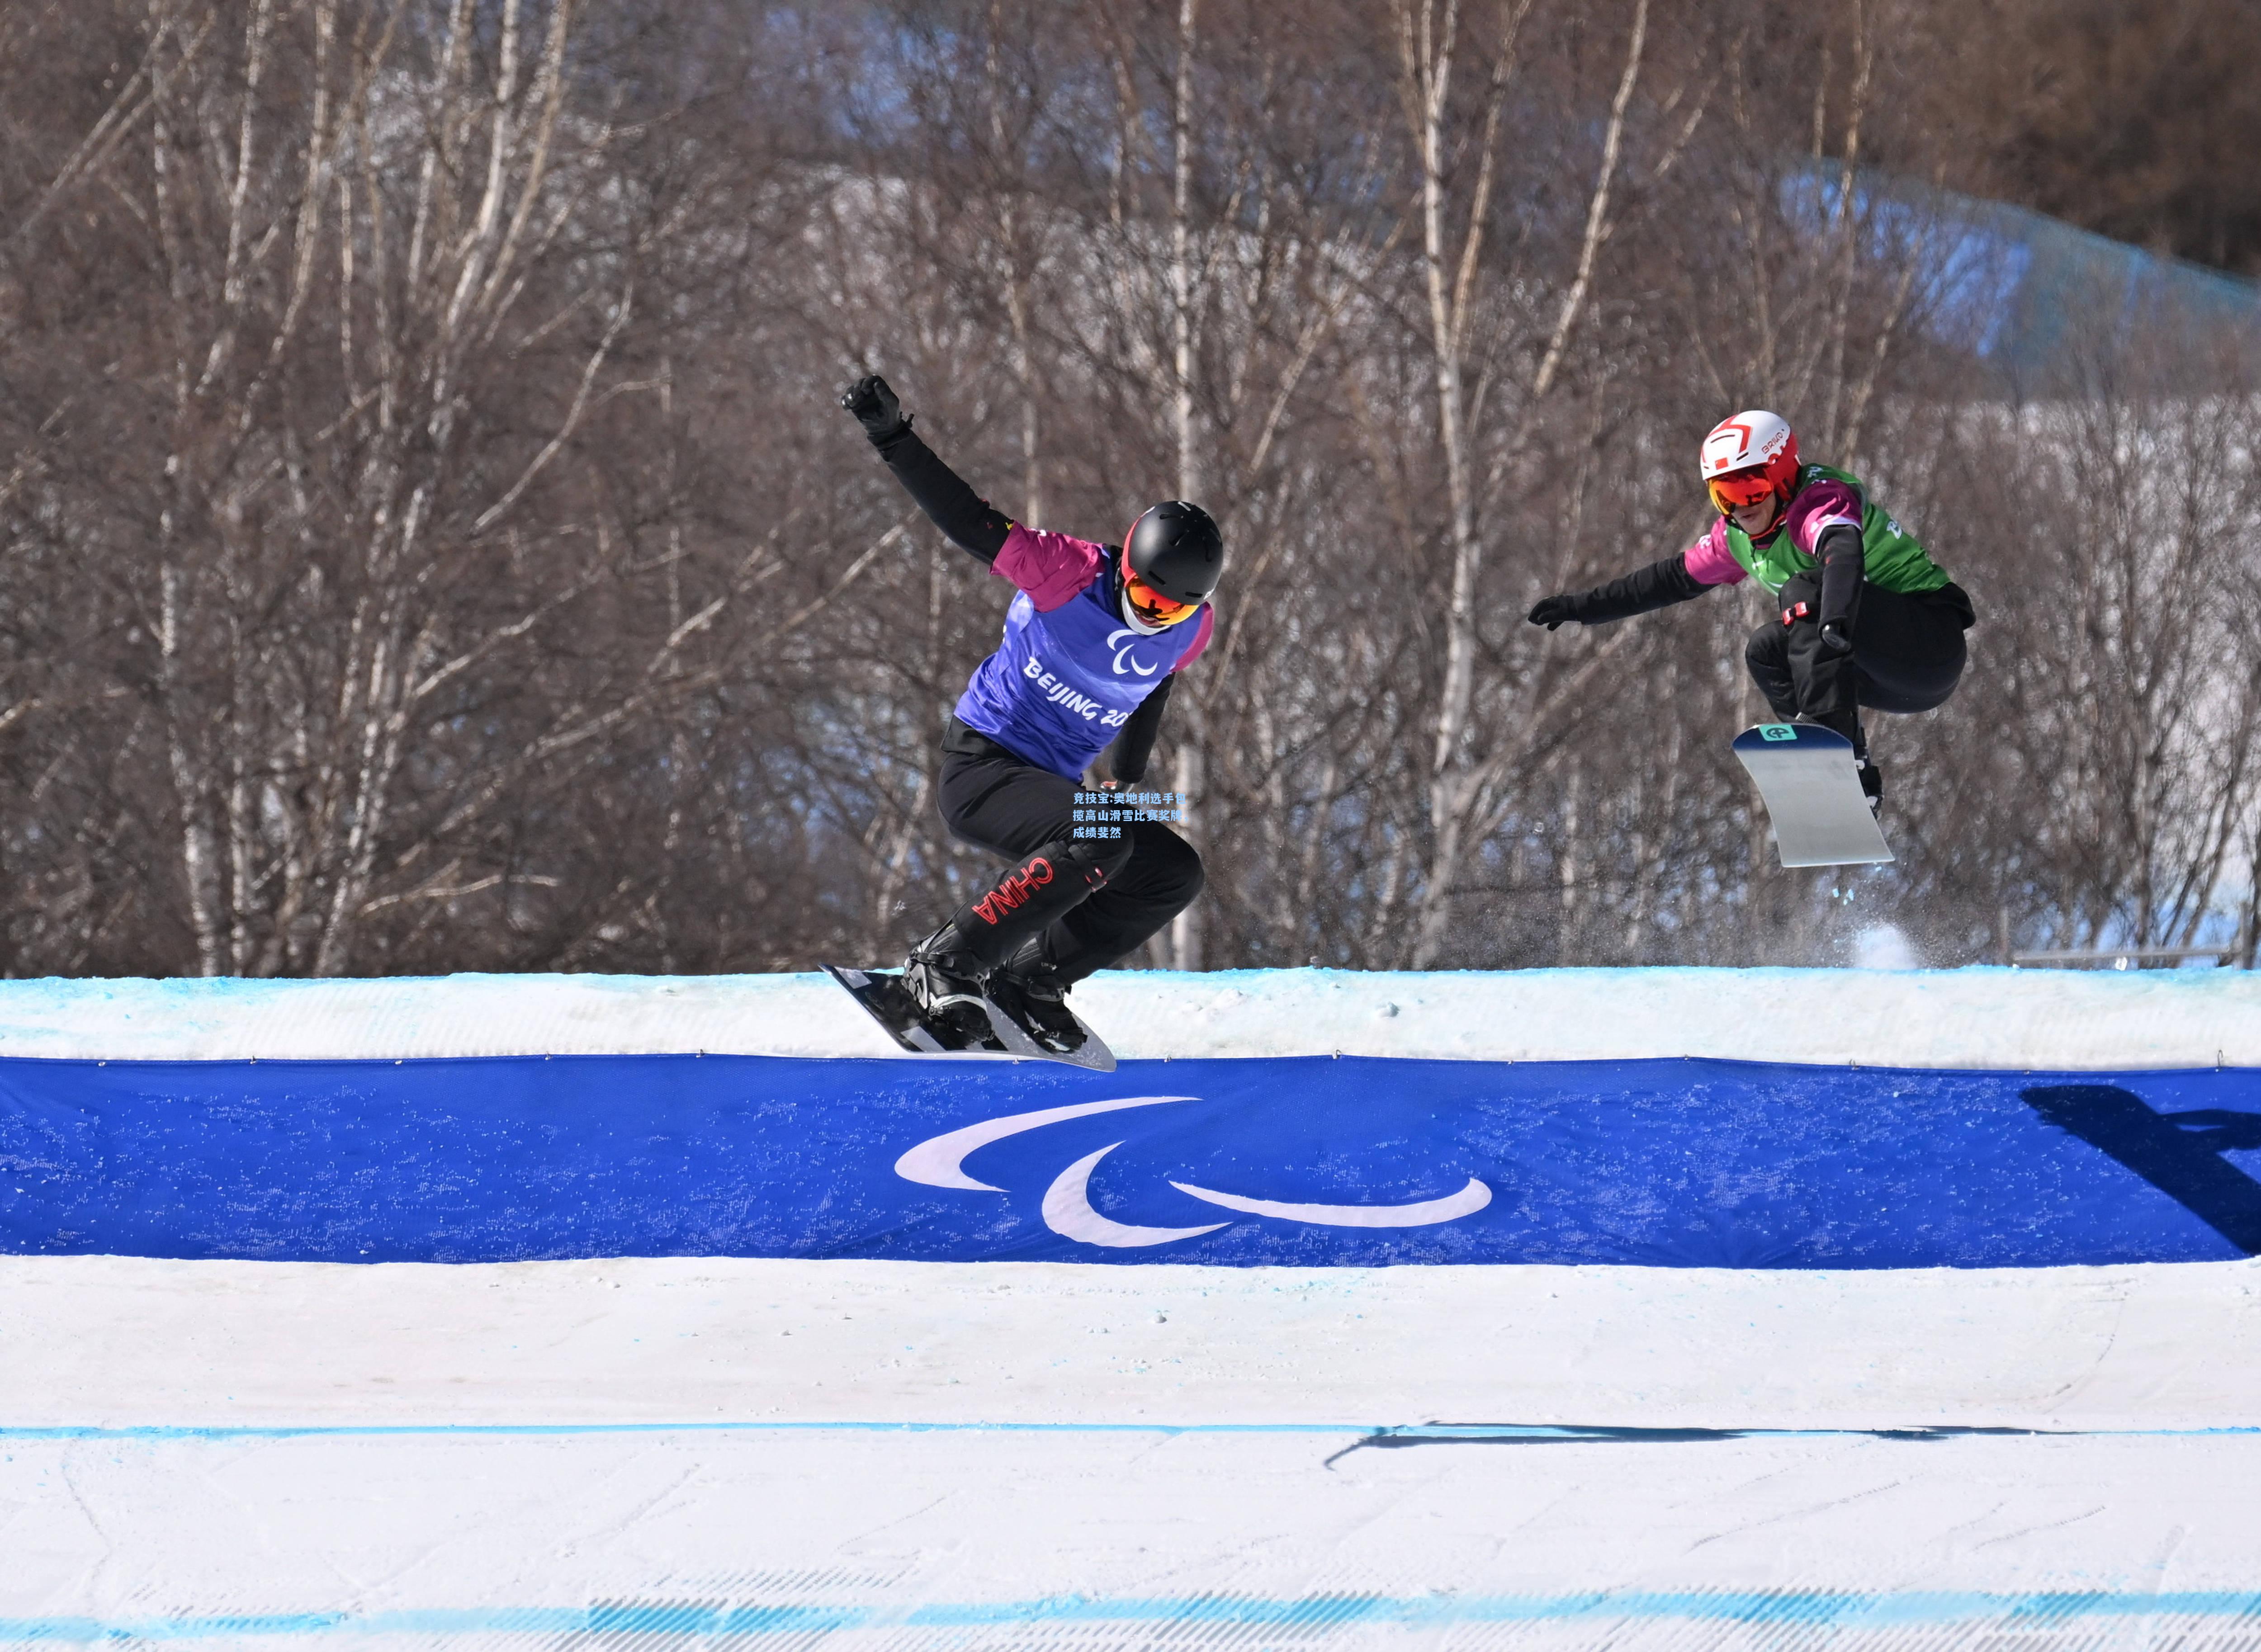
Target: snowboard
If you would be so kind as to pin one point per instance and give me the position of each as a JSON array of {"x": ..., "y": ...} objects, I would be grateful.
[
  {"x": 885, "y": 998},
  {"x": 1811, "y": 786},
  {"x": 1080, "y": 1048}
]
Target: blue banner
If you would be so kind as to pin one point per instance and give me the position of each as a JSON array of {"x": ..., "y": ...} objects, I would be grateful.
[{"x": 1305, "y": 1161}]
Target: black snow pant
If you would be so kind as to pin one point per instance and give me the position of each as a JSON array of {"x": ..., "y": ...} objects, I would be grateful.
[
  {"x": 1089, "y": 901},
  {"x": 1908, "y": 653}
]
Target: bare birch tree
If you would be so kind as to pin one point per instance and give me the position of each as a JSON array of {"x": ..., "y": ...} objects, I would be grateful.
[{"x": 427, "y": 541}]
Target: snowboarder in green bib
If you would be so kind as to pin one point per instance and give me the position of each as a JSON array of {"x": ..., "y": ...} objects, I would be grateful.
[{"x": 1863, "y": 615}]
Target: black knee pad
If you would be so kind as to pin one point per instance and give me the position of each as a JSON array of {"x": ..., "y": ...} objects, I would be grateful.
[
  {"x": 1171, "y": 866},
  {"x": 1766, "y": 657},
  {"x": 1195, "y": 873},
  {"x": 1768, "y": 649}
]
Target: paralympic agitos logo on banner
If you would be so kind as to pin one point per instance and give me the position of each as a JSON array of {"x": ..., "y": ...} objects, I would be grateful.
[{"x": 940, "y": 1162}]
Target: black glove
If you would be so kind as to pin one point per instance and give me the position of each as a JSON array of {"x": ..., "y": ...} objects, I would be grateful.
[
  {"x": 1835, "y": 639},
  {"x": 875, "y": 408},
  {"x": 1551, "y": 612}
]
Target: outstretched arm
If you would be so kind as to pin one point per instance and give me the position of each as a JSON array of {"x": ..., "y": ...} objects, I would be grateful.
[
  {"x": 1706, "y": 563},
  {"x": 970, "y": 522},
  {"x": 1659, "y": 585}
]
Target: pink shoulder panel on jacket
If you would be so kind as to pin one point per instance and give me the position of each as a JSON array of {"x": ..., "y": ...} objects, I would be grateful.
[
  {"x": 1824, "y": 505},
  {"x": 1204, "y": 626},
  {"x": 1053, "y": 567},
  {"x": 1709, "y": 561}
]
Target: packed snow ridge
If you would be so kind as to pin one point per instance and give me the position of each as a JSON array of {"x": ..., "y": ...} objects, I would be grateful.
[{"x": 1979, "y": 1018}]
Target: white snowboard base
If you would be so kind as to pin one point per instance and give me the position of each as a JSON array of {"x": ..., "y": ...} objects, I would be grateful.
[{"x": 1811, "y": 786}]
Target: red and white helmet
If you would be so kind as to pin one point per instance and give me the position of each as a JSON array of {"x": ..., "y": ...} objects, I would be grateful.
[{"x": 1748, "y": 457}]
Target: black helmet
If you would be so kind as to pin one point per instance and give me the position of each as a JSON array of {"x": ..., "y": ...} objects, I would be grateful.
[{"x": 1175, "y": 547}]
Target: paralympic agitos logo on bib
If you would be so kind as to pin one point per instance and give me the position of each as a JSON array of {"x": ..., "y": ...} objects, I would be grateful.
[{"x": 1115, "y": 640}]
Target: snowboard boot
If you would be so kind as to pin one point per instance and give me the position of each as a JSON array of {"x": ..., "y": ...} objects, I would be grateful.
[
  {"x": 1845, "y": 723},
  {"x": 945, "y": 979},
  {"x": 1031, "y": 991},
  {"x": 1872, "y": 778}
]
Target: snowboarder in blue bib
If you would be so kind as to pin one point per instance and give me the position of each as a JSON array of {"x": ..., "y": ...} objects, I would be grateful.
[
  {"x": 1093, "y": 639},
  {"x": 1862, "y": 615}
]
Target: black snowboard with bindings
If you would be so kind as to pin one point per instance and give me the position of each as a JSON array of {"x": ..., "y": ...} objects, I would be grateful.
[{"x": 994, "y": 1024}]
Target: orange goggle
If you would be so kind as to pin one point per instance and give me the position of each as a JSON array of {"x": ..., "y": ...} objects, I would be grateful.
[
  {"x": 1152, "y": 606},
  {"x": 1739, "y": 489}
]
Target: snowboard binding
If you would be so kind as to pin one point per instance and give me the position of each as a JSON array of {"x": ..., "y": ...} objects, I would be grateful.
[{"x": 935, "y": 1007}]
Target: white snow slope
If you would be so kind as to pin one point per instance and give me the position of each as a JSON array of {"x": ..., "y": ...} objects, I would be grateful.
[
  {"x": 772, "y": 1453},
  {"x": 2013, "y": 1019}
]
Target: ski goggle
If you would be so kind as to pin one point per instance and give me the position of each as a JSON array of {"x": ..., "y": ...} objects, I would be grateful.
[
  {"x": 1739, "y": 490},
  {"x": 1152, "y": 606}
]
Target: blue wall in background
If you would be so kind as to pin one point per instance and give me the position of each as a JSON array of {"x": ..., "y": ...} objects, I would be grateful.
[
  {"x": 2031, "y": 294},
  {"x": 1677, "y": 1163}
]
